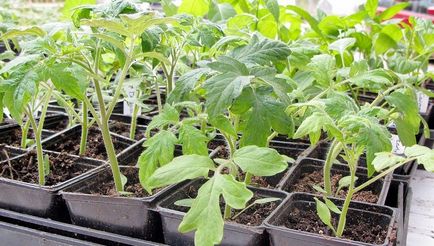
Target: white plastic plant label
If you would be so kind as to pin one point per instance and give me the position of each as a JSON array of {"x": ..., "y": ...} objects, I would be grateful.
[
  {"x": 129, "y": 107},
  {"x": 397, "y": 146},
  {"x": 422, "y": 102}
]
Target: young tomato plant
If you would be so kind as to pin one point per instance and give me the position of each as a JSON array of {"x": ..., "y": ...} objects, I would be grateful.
[
  {"x": 29, "y": 81},
  {"x": 119, "y": 36}
]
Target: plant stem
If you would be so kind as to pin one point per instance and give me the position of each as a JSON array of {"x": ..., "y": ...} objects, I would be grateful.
[
  {"x": 84, "y": 129},
  {"x": 24, "y": 132},
  {"x": 133, "y": 124},
  {"x": 335, "y": 149},
  {"x": 345, "y": 207},
  {"x": 271, "y": 137},
  {"x": 227, "y": 212},
  {"x": 157, "y": 90},
  {"x": 248, "y": 178},
  {"x": 111, "y": 154},
  {"x": 381, "y": 96}
]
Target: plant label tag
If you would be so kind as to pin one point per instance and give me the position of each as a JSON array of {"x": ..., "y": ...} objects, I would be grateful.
[
  {"x": 397, "y": 146},
  {"x": 422, "y": 102},
  {"x": 128, "y": 105}
]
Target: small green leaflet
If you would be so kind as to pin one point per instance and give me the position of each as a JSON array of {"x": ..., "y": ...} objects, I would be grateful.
[
  {"x": 193, "y": 140},
  {"x": 385, "y": 160},
  {"x": 341, "y": 45},
  {"x": 186, "y": 83},
  {"x": 184, "y": 202},
  {"x": 168, "y": 116},
  {"x": 323, "y": 212},
  {"x": 181, "y": 168},
  {"x": 260, "y": 161},
  {"x": 205, "y": 216},
  {"x": 425, "y": 156},
  {"x": 324, "y": 69}
]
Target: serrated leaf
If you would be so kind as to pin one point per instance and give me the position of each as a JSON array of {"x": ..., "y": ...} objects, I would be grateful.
[
  {"x": 193, "y": 140},
  {"x": 218, "y": 12},
  {"x": 313, "y": 124},
  {"x": 67, "y": 78},
  {"x": 261, "y": 51},
  {"x": 324, "y": 68},
  {"x": 19, "y": 61},
  {"x": 186, "y": 83},
  {"x": 372, "y": 79},
  {"x": 224, "y": 125},
  {"x": 226, "y": 64},
  {"x": 205, "y": 216},
  {"x": 159, "y": 151},
  {"x": 169, "y": 115},
  {"x": 181, "y": 168},
  {"x": 259, "y": 161},
  {"x": 221, "y": 90}
]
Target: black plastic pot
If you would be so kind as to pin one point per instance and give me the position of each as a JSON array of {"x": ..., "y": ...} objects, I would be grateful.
[
  {"x": 56, "y": 123},
  {"x": 403, "y": 173},
  {"x": 142, "y": 123},
  {"x": 39, "y": 200},
  {"x": 308, "y": 165},
  {"x": 52, "y": 143},
  {"x": 281, "y": 235},
  {"x": 234, "y": 234},
  {"x": 128, "y": 216},
  {"x": 19, "y": 229},
  {"x": 7, "y": 122}
]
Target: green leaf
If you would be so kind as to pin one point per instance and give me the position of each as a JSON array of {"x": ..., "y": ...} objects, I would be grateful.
[
  {"x": 383, "y": 43},
  {"x": 218, "y": 12},
  {"x": 324, "y": 68},
  {"x": 332, "y": 206},
  {"x": 193, "y": 140},
  {"x": 181, "y": 168},
  {"x": 169, "y": 7},
  {"x": 67, "y": 78},
  {"x": 221, "y": 90},
  {"x": 194, "y": 7},
  {"x": 319, "y": 189},
  {"x": 259, "y": 161},
  {"x": 205, "y": 216},
  {"x": 13, "y": 33},
  {"x": 111, "y": 40},
  {"x": 323, "y": 212},
  {"x": 384, "y": 160},
  {"x": 169, "y": 115},
  {"x": 70, "y": 5},
  {"x": 373, "y": 79},
  {"x": 273, "y": 7},
  {"x": 371, "y": 7},
  {"x": 313, "y": 124},
  {"x": 416, "y": 150},
  {"x": 224, "y": 125},
  {"x": 392, "y": 11},
  {"x": 110, "y": 25},
  {"x": 261, "y": 51},
  {"x": 305, "y": 15},
  {"x": 184, "y": 202},
  {"x": 159, "y": 151},
  {"x": 226, "y": 64},
  {"x": 341, "y": 45},
  {"x": 79, "y": 14},
  {"x": 18, "y": 61},
  {"x": 345, "y": 182},
  {"x": 124, "y": 180},
  {"x": 186, "y": 83}
]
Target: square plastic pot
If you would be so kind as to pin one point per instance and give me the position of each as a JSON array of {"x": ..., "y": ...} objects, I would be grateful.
[
  {"x": 281, "y": 235},
  {"x": 306, "y": 165},
  {"x": 128, "y": 216},
  {"x": 11, "y": 152},
  {"x": 234, "y": 234},
  {"x": 57, "y": 139},
  {"x": 37, "y": 200},
  {"x": 15, "y": 129},
  {"x": 56, "y": 123},
  {"x": 20, "y": 229}
]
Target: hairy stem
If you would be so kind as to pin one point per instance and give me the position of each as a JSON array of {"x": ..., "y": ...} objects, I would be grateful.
[
  {"x": 84, "y": 129},
  {"x": 335, "y": 149},
  {"x": 133, "y": 124},
  {"x": 24, "y": 132}
]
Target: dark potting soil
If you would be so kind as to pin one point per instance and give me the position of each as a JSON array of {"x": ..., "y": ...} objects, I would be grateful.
[
  {"x": 123, "y": 129},
  {"x": 62, "y": 168},
  {"x": 257, "y": 181},
  {"x": 13, "y": 138},
  {"x": 105, "y": 185},
  {"x": 7, "y": 121},
  {"x": 253, "y": 216},
  {"x": 95, "y": 145},
  {"x": 359, "y": 227},
  {"x": 222, "y": 153},
  {"x": 307, "y": 180},
  {"x": 62, "y": 125}
]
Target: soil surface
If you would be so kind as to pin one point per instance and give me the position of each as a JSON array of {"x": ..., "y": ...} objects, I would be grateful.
[
  {"x": 123, "y": 129},
  {"x": 13, "y": 137},
  {"x": 254, "y": 216},
  {"x": 105, "y": 185},
  {"x": 7, "y": 121},
  {"x": 95, "y": 145},
  {"x": 62, "y": 168},
  {"x": 62, "y": 125},
  {"x": 307, "y": 180},
  {"x": 359, "y": 227},
  {"x": 222, "y": 153}
]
